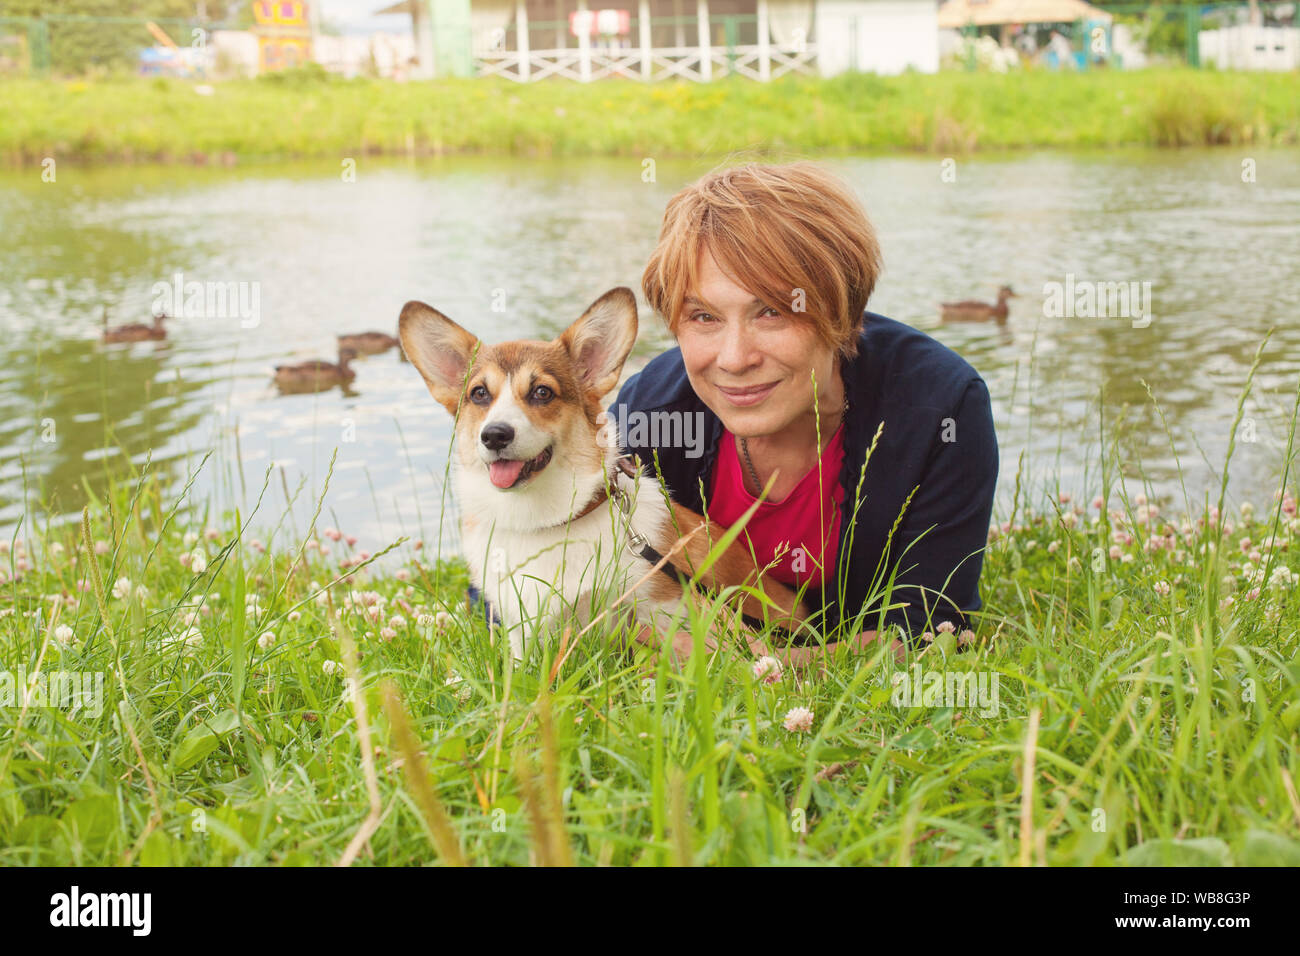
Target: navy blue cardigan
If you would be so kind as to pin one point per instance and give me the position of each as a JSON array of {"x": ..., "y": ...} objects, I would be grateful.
[{"x": 937, "y": 445}]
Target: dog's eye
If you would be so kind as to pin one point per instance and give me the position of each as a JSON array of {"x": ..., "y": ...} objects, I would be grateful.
[
  {"x": 479, "y": 395},
  {"x": 542, "y": 393}
]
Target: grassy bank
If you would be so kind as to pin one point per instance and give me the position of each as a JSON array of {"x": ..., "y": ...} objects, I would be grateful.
[
  {"x": 130, "y": 120},
  {"x": 1146, "y": 709}
]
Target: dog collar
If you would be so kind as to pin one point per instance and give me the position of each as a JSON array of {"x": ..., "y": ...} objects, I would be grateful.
[
  {"x": 609, "y": 490},
  {"x": 638, "y": 545}
]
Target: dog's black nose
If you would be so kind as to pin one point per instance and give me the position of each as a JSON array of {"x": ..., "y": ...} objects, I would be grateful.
[{"x": 497, "y": 435}]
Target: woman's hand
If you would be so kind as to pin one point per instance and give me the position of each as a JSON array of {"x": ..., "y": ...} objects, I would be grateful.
[
  {"x": 683, "y": 643},
  {"x": 809, "y": 654}
]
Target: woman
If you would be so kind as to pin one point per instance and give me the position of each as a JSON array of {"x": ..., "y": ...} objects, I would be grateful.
[{"x": 762, "y": 274}]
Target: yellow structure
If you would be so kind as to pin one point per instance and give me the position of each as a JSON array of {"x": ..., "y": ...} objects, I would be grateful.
[{"x": 283, "y": 34}]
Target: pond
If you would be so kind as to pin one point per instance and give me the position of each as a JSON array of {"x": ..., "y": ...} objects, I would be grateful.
[{"x": 515, "y": 248}]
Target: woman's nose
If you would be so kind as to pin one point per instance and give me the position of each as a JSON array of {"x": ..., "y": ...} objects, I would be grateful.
[{"x": 736, "y": 352}]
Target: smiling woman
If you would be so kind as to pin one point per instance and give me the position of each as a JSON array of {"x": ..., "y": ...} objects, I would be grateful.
[{"x": 877, "y": 440}]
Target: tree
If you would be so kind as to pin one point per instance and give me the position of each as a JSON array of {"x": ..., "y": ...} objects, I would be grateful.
[{"x": 104, "y": 40}]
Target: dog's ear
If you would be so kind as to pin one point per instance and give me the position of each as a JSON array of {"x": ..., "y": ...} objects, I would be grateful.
[
  {"x": 439, "y": 348},
  {"x": 601, "y": 340}
]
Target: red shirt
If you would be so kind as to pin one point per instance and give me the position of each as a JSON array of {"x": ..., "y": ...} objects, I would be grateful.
[{"x": 804, "y": 527}]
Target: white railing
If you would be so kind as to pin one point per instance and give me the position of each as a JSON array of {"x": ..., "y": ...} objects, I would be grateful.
[{"x": 662, "y": 63}]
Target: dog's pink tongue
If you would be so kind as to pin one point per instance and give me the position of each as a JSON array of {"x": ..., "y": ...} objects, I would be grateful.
[{"x": 505, "y": 472}]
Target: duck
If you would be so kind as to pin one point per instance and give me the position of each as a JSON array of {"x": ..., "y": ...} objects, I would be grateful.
[
  {"x": 134, "y": 331},
  {"x": 972, "y": 310},
  {"x": 367, "y": 343},
  {"x": 316, "y": 375}
]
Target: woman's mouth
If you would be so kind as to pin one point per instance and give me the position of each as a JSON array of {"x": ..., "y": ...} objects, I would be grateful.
[
  {"x": 510, "y": 472},
  {"x": 749, "y": 395}
]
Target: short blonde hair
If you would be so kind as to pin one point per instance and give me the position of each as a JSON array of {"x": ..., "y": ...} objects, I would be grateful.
[{"x": 775, "y": 230}]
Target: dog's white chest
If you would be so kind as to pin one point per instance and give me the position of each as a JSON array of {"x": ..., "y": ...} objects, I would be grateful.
[{"x": 570, "y": 573}]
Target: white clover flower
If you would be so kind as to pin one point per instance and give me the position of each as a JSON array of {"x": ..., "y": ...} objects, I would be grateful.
[
  {"x": 189, "y": 539},
  {"x": 141, "y": 593},
  {"x": 1282, "y": 577},
  {"x": 122, "y": 587},
  {"x": 266, "y": 640},
  {"x": 295, "y": 616},
  {"x": 332, "y": 667},
  {"x": 462, "y": 688},
  {"x": 1162, "y": 588},
  {"x": 798, "y": 720},
  {"x": 64, "y": 635},
  {"x": 198, "y": 561},
  {"x": 767, "y": 670}
]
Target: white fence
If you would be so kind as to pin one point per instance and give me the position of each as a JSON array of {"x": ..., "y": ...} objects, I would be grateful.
[{"x": 755, "y": 61}]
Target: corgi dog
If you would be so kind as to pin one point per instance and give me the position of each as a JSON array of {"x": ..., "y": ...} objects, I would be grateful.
[{"x": 553, "y": 522}]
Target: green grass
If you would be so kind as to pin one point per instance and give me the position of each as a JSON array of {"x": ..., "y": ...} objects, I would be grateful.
[
  {"x": 1148, "y": 708},
  {"x": 944, "y": 113}
]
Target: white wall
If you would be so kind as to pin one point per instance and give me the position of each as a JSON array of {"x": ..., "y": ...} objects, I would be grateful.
[
  {"x": 1246, "y": 47},
  {"x": 235, "y": 50},
  {"x": 351, "y": 55},
  {"x": 877, "y": 36}
]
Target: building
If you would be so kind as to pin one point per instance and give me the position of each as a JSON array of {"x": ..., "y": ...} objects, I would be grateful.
[
  {"x": 1246, "y": 46},
  {"x": 283, "y": 34},
  {"x": 649, "y": 40}
]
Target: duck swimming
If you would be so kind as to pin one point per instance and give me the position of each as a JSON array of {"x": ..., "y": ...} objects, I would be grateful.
[
  {"x": 367, "y": 343},
  {"x": 972, "y": 310},
  {"x": 316, "y": 375},
  {"x": 134, "y": 331}
]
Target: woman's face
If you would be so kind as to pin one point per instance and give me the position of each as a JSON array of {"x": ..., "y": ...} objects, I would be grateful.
[{"x": 750, "y": 363}]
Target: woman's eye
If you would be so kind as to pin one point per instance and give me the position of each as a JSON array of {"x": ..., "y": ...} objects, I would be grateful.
[
  {"x": 542, "y": 393},
  {"x": 770, "y": 313},
  {"x": 704, "y": 317},
  {"x": 479, "y": 395}
]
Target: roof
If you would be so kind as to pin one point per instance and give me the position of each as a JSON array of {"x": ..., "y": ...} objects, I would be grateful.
[{"x": 959, "y": 13}]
